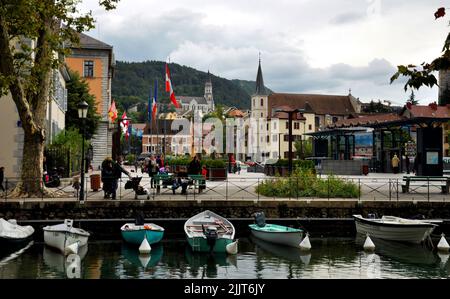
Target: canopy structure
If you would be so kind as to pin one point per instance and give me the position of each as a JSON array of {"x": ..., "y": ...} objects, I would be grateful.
[
  {"x": 392, "y": 131},
  {"x": 342, "y": 142}
]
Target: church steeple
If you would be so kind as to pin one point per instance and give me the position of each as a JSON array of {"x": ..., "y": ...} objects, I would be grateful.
[
  {"x": 208, "y": 92},
  {"x": 260, "y": 89}
]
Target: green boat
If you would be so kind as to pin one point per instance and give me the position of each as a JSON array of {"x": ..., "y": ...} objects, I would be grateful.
[
  {"x": 209, "y": 232},
  {"x": 274, "y": 233}
]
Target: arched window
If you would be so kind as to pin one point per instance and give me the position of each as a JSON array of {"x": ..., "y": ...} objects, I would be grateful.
[{"x": 262, "y": 102}]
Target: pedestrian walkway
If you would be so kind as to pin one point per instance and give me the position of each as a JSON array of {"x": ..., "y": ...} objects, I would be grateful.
[{"x": 373, "y": 187}]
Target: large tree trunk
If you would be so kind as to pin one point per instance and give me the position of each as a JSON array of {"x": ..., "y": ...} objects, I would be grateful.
[
  {"x": 31, "y": 184},
  {"x": 32, "y": 107}
]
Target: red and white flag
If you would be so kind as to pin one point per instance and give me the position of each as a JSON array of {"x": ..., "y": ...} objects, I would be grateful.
[
  {"x": 154, "y": 106},
  {"x": 170, "y": 89},
  {"x": 124, "y": 125}
]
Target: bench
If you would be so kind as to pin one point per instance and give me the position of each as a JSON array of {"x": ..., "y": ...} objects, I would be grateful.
[
  {"x": 444, "y": 182},
  {"x": 158, "y": 178},
  {"x": 198, "y": 180}
]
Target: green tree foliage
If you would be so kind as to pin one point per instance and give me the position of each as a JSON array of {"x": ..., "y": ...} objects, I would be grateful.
[
  {"x": 31, "y": 33},
  {"x": 303, "y": 148},
  {"x": 135, "y": 80},
  {"x": 71, "y": 139},
  {"x": 78, "y": 91},
  {"x": 423, "y": 75},
  {"x": 412, "y": 98},
  {"x": 377, "y": 107}
]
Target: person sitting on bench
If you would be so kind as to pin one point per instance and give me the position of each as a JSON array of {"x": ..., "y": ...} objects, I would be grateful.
[{"x": 182, "y": 181}]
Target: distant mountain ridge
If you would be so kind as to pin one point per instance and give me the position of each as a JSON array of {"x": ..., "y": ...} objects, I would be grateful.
[{"x": 133, "y": 82}]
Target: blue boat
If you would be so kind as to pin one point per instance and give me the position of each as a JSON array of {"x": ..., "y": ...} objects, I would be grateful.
[{"x": 134, "y": 234}]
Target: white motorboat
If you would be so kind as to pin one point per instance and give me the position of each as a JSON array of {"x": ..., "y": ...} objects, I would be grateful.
[
  {"x": 11, "y": 232},
  {"x": 64, "y": 237},
  {"x": 395, "y": 228}
]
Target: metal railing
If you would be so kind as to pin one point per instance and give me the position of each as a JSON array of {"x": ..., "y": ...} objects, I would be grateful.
[{"x": 244, "y": 188}]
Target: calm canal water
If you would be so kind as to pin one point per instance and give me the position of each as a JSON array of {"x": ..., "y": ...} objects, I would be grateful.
[{"x": 329, "y": 258}]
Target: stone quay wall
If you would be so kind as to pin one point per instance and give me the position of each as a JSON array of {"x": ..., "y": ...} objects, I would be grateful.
[{"x": 318, "y": 217}]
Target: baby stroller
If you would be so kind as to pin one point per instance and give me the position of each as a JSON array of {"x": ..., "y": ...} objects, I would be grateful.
[{"x": 138, "y": 189}]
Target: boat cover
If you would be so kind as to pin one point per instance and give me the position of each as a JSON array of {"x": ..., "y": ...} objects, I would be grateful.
[{"x": 11, "y": 230}]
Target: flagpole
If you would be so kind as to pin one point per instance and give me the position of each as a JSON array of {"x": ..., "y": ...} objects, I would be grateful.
[
  {"x": 157, "y": 134},
  {"x": 165, "y": 140},
  {"x": 150, "y": 121}
]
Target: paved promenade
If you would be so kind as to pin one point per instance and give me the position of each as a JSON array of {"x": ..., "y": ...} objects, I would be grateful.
[{"x": 374, "y": 187}]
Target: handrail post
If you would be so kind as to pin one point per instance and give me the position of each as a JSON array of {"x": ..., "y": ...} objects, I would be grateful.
[
  {"x": 258, "y": 189},
  {"x": 6, "y": 189},
  {"x": 428, "y": 180},
  {"x": 290, "y": 185},
  {"x": 397, "y": 190},
  {"x": 390, "y": 186},
  {"x": 226, "y": 188},
  {"x": 328, "y": 184},
  {"x": 359, "y": 189}
]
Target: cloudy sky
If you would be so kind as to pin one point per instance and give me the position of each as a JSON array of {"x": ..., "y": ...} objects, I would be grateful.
[{"x": 307, "y": 46}]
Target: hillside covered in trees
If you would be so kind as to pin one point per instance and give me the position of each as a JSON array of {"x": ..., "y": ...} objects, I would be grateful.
[{"x": 133, "y": 82}]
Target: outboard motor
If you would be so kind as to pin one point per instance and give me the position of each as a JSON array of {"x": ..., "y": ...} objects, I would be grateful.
[
  {"x": 372, "y": 216},
  {"x": 211, "y": 236},
  {"x": 139, "y": 218},
  {"x": 260, "y": 219}
]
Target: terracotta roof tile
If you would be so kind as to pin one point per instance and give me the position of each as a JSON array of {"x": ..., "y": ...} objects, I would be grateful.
[
  {"x": 367, "y": 119},
  {"x": 319, "y": 104},
  {"x": 428, "y": 111}
]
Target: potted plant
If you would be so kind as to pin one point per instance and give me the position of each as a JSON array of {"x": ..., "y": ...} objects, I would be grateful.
[{"x": 216, "y": 169}]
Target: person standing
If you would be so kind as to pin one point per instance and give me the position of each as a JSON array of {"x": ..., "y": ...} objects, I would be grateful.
[
  {"x": 416, "y": 165},
  {"x": 159, "y": 162},
  {"x": 152, "y": 169},
  {"x": 407, "y": 164},
  {"x": 117, "y": 174},
  {"x": 194, "y": 166},
  {"x": 107, "y": 176},
  {"x": 395, "y": 163},
  {"x": 202, "y": 184},
  {"x": 2, "y": 176}
]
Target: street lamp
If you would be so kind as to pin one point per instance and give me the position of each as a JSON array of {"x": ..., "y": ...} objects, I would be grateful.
[
  {"x": 290, "y": 113},
  {"x": 82, "y": 114}
]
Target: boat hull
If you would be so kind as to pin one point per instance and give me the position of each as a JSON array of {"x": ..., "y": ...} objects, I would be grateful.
[
  {"x": 412, "y": 233},
  {"x": 195, "y": 234},
  {"x": 199, "y": 244},
  {"x": 60, "y": 239},
  {"x": 5, "y": 241},
  {"x": 289, "y": 238},
  {"x": 137, "y": 236}
]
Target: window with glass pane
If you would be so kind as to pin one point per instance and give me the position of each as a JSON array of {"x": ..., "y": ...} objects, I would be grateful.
[{"x": 88, "y": 68}]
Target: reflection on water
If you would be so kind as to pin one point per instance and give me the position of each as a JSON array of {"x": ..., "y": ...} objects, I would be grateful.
[
  {"x": 414, "y": 254},
  {"x": 284, "y": 252},
  {"x": 69, "y": 265},
  {"x": 329, "y": 258},
  {"x": 131, "y": 253}
]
